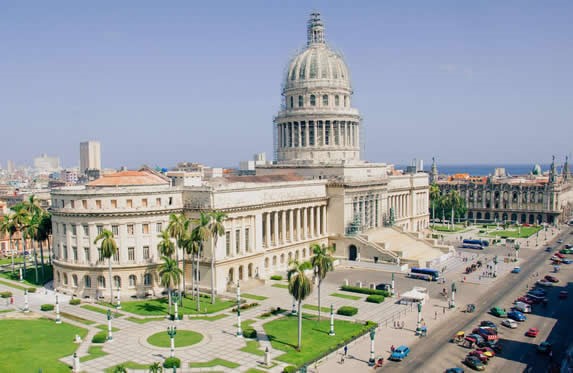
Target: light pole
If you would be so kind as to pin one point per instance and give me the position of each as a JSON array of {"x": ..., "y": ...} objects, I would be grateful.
[
  {"x": 239, "y": 330},
  {"x": 516, "y": 247},
  {"x": 393, "y": 288},
  {"x": 454, "y": 289},
  {"x": 109, "y": 333},
  {"x": 76, "y": 363},
  {"x": 175, "y": 300},
  {"x": 172, "y": 331},
  {"x": 26, "y": 304},
  {"x": 331, "y": 320},
  {"x": 58, "y": 319},
  {"x": 418, "y": 324},
  {"x": 495, "y": 266},
  {"x": 21, "y": 277},
  {"x": 118, "y": 305},
  {"x": 372, "y": 360}
]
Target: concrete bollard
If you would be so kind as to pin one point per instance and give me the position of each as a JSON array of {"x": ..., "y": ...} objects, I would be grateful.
[{"x": 267, "y": 357}]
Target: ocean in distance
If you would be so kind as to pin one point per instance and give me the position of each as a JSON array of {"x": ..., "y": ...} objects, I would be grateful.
[{"x": 484, "y": 169}]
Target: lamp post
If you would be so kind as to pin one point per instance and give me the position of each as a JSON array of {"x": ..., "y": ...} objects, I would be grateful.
[
  {"x": 239, "y": 330},
  {"x": 516, "y": 247},
  {"x": 495, "y": 266},
  {"x": 109, "y": 333},
  {"x": 26, "y": 304},
  {"x": 58, "y": 319},
  {"x": 20, "y": 272},
  {"x": 76, "y": 363},
  {"x": 118, "y": 305},
  {"x": 419, "y": 322},
  {"x": 393, "y": 287},
  {"x": 171, "y": 332},
  {"x": 175, "y": 300},
  {"x": 331, "y": 320},
  {"x": 372, "y": 361},
  {"x": 454, "y": 289}
]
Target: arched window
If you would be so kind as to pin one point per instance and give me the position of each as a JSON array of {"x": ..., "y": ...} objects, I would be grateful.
[
  {"x": 75, "y": 281},
  {"x": 336, "y": 100},
  {"x": 59, "y": 278},
  {"x": 296, "y": 255},
  {"x": 289, "y": 257},
  {"x": 300, "y": 101},
  {"x": 147, "y": 279},
  {"x": 65, "y": 278},
  {"x": 291, "y": 102},
  {"x": 101, "y": 282},
  {"x": 312, "y": 100},
  {"x": 274, "y": 260},
  {"x": 304, "y": 252},
  {"x": 132, "y": 281},
  {"x": 266, "y": 262},
  {"x": 87, "y": 282},
  {"x": 116, "y": 282},
  {"x": 324, "y": 100},
  {"x": 282, "y": 258}
]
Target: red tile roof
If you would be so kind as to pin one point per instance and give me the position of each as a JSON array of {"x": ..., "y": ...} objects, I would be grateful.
[{"x": 129, "y": 178}]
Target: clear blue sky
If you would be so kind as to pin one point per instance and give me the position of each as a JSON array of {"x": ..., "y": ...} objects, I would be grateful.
[{"x": 159, "y": 82}]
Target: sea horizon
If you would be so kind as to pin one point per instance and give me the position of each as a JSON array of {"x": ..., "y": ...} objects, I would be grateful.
[{"x": 484, "y": 169}]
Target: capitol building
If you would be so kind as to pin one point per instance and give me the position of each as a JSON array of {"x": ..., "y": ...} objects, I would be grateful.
[{"x": 318, "y": 189}]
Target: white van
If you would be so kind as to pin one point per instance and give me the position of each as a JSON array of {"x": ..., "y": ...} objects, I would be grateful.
[{"x": 523, "y": 307}]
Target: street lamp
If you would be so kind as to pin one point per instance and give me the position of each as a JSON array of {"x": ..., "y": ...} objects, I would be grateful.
[
  {"x": 418, "y": 324},
  {"x": 118, "y": 305},
  {"x": 26, "y": 304},
  {"x": 393, "y": 288},
  {"x": 454, "y": 290},
  {"x": 171, "y": 332},
  {"x": 109, "y": 333},
  {"x": 372, "y": 361},
  {"x": 516, "y": 247},
  {"x": 331, "y": 320},
  {"x": 58, "y": 319},
  {"x": 175, "y": 300},
  {"x": 239, "y": 330},
  {"x": 495, "y": 266},
  {"x": 20, "y": 272},
  {"x": 76, "y": 363}
]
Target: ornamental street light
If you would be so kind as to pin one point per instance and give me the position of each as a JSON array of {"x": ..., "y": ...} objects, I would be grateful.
[
  {"x": 331, "y": 320},
  {"x": 58, "y": 319},
  {"x": 26, "y": 304},
  {"x": 454, "y": 289},
  {"x": 175, "y": 300},
  {"x": 516, "y": 247},
  {"x": 21, "y": 277},
  {"x": 118, "y": 305},
  {"x": 419, "y": 322},
  {"x": 171, "y": 332},
  {"x": 109, "y": 333},
  {"x": 239, "y": 330},
  {"x": 393, "y": 290},
  {"x": 495, "y": 266},
  {"x": 76, "y": 364},
  {"x": 372, "y": 361}
]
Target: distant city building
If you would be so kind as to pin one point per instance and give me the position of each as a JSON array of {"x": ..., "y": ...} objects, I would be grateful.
[
  {"x": 10, "y": 167},
  {"x": 69, "y": 176},
  {"x": 45, "y": 163},
  {"x": 90, "y": 156}
]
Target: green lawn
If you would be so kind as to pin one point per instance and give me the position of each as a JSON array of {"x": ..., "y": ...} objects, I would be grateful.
[
  {"x": 81, "y": 320},
  {"x": 31, "y": 345},
  {"x": 246, "y": 323},
  {"x": 138, "y": 320},
  {"x": 446, "y": 228},
  {"x": 160, "y": 306},
  {"x": 282, "y": 286},
  {"x": 253, "y": 347},
  {"x": 253, "y": 296},
  {"x": 345, "y": 296},
  {"x": 94, "y": 352},
  {"x": 129, "y": 365},
  {"x": 30, "y": 275},
  {"x": 523, "y": 232},
  {"x": 183, "y": 338},
  {"x": 104, "y": 328},
  {"x": 210, "y": 318},
  {"x": 103, "y": 311},
  {"x": 283, "y": 334},
  {"x": 254, "y": 370},
  {"x": 6, "y": 283},
  {"x": 17, "y": 259},
  {"x": 214, "y": 363},
  {"x": 312, "y": 307}
]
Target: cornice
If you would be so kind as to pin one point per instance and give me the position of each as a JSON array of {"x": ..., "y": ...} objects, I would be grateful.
[{"x": 117, "y": 213}]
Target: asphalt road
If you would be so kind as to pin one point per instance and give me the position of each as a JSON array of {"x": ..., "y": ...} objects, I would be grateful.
[{"x": 434, "y": 353}]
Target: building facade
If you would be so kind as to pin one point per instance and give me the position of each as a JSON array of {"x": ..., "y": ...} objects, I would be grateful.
[{"x": 90, "y": 156}]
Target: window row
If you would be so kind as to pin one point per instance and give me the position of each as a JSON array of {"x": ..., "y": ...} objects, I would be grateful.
[
  {"x": 113, "y": 203},
  {"x": 101, "y": 281},
  {"x": 73, "y": 254},
  {"x": 85, "y": 228},
  {"x": 318, "y": 100},
  {"x": 239, "y": 242}
]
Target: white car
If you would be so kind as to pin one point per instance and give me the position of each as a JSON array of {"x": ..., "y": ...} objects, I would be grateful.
[
  {"x": 512, "y": 324},
  {"x": 544, "y": 283}
]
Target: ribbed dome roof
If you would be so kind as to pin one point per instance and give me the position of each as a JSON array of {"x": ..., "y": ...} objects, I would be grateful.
[{"x": 317, "y": 63}]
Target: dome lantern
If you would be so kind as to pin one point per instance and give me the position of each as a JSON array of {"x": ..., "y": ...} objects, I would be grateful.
[{"x": 315, "y": 30}]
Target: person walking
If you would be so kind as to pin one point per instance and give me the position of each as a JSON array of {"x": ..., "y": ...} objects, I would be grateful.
[{"x": 345, "y": 350}]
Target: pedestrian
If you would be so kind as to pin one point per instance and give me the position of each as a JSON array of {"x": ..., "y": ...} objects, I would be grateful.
[
  {"x": 436, "y": 315},
  {"x": 444, "y": 310},
  {"x": 345, "y": 350},
  {"x": 392, "y": 348},
  {"x": 480, "y": 278},
  {"x": 12, "y": 300}
]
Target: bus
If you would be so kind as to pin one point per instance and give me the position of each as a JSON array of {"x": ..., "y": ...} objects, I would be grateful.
[
  {"x": 419, "y": 276},
  {"x": 484, "y": 243},
  {"x": 472, "y": 246},
  {"x": 433, "y": 273}
]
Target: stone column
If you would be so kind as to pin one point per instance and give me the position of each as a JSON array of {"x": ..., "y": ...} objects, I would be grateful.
[
  {"x": 318, "y": 221},
  {"x": 298, "y": 224},
  {"x": 290, "y": 225},
  {"x": 351, "y": 129},
  {"x": 323, "y": 132},
  {"x": 267, "y": 238},
  {"x": 304, "y": 223},
  {"x": 276, "y": 227},
  {"x": 284, "y": 229},
  {"x": 323, "y": 215},
  {"x": 306, "y": 137},
  {"x": 312, "y": 234}
]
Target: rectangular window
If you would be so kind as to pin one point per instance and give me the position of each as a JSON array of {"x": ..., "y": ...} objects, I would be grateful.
[
  {"x": 170, "y": 201},
  {"x": 86, "y": 229},
  {"x": 129, "y": 203},
  {"x": 145, "y": 252},
  {"x": 247, "y": 241},
  {"x": 114, "y": 203},
  {"x": 131, "y": 253},
  {"x": 84, "y": 203},
  {"x": 75, "y": 253},
  {"x": 144, "y": 202},
  {"x": 98, "y": 204},
  {"x": 100, "y": 254},
  {"x": 65, "y": 249},
  {"x": 130, "y": 229},
  {"x": 115, "y": 230},
  {"x": 237, "y": 240},
  {"x": 73, "y": 204},
  {"x": 158, "y": 227},
  {"x": 64, "y": 229},
  {"x": 87, "y": 254},
  {"x": 99, "y": 229},
  {"x": 158, "y": 201},
  {"x": 116, "y": 256},
  {"x": 74, "y": 231},
  {"x": 228, "y": 243},
  {"x": 145, "y": 228}
]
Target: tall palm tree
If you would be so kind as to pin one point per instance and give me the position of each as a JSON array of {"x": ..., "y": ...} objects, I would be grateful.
[
  {"x": 32, "y": 231},
  {"x": 434, "y": 197},
  {"x": 176, "y": 228},
  {"x": 217, "y": 229},
  {"x": 191, "y": 246},
  {"x": 44, "y": 233},
  {"x": 170, "y": 275},
  {"x": 155, "y": 368},
  {"x": 166, "y": 247},
  {"x": 322, "y": 262},
  {"x": 7, "y": 227},
  {"x": 300, "y": 287},
  {"x": 21, "y": 219},
  {"x": 201, "y": 233},
  {"x": 108, "y": 248},
  {"x": 454, "y": 201}
]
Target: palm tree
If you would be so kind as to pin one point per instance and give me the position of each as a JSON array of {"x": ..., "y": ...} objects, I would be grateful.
[
  {"x": 454, "y": 201},
  {"x": 176, "y": 228},
  {"x": 155, "y": 368},
  {"x": 300, "y": 287},
  {"x": 191, "y": 246},
  {"x": 217, "y": 229},
  {"x": 32, "y": 229},
  {"x": 201, "y": 233},
  {"x": 21, "y": 219},
  {"x": 166, "y": 247},
  {"x": 120, "y": 369},
  {"x": 170, "y": 275},
  {"x": 44, "y": 233},
  {"x": 108, "y": 249},
  {"x": 7, "y": 227},
  {"x": 434, "y": 197},
  {"x": 322, "y": 262}
]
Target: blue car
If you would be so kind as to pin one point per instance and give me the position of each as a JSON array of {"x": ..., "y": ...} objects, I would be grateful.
[
  {"x": 400, "y": 353},
  {"x": 567, "y": 261},
  {"x": 516, "y": 270},
  {"x": 454, "y": 370},
  {"x": 516, "y": 315}
]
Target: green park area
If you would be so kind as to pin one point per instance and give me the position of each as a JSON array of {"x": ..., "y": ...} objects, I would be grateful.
[
  {"x": 515, "y": 232},
  {"x": 283, "y": 334},
  {"x": 155, "y": 307},
  {"x": 37, "y": 345},
  {"x": 183, "y": 338},
  {"x": 448, "y": 228}
]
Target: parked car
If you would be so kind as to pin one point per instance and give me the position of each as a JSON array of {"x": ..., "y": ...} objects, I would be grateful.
[
  {"x": 538, "y": 292},
  {"x": 454, "y": 370},
  {"x": 509, "y": 323},
  {"x": 488, "y": 324},
  {"x": 522, "y": 307},
  {"x": 559, "y": 255},
  {"x": 525, "y": 299},
  {"x": 567, "y": 261},
  {"x": 552, "y": 279},
  {"x": 544, "y": 283},
  {"x": 498, "y": 311},
  {"x": 487, "y": 333},
  {"x": 516, "y": 315},
  {"x": 516, "y": 270},
  {"x": 482, "y": 357},
  {"x": 400, "y": 353},
  {"x": 566, "y": 251},
  {"x": 548, "y": 249},
  {"x": 563, "y": 294},
  {"x": 382, "y": 286},
  {"x": 559, "y": 241},
  {"x": 494, "y": 345},
  {"x": 532, "y": 332},
  {"x": 474, "y": 363},
  {"x": 544, "y": 347},
  {"x": 487, "y": 351}
]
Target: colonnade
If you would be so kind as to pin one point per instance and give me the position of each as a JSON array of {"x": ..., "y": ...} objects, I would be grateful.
[
  {"x": 333, "y": 133},
  {"x": 401, "y": 204},
  {"x": 368, "y": 209},
  {"x": 291, "y": 225},
  {"x": 421, "y": 206}
]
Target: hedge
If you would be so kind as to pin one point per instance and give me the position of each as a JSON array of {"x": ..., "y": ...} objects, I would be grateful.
[
  {"x": 100, "y": 337},
  {"x": 171, "y": 362},
  {"x": 75, "y": 301},
  {"x": 289, "y": 369},
  {"x": 245, "y": 306},
  {"x": 356, "y": 289},
  {"x": 347, "y": 311},
  {"x": 6, "y": 294},
  {"x": 47, "y": 307},
  {"x": 276, "y": 277},
  {"x": 375, "y": 299},
  {"x": 250, "y": 333},
  {"x": 31, "y": 290}
]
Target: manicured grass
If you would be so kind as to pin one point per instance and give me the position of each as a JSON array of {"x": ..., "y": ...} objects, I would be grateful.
[
  {"x": 446, "y": 228},
  {"x": 81, "y": 320},
  {"x": 282, "y": 286},
  {"x": 103, "y": 311},
  {"x": 138, "y": 320},
  {"x": 104, "y": 328},
  {"x": 253, "y": 296},
  {"x": 252, "y": 347},
  {"x": 94, "y": 352},
  {"x": 30, "y": 275},
  {"x": 6, "y": 283},
  {"x": 214, "y": 363},
  {"x": 246, "y": 323},
  {"x": 183, "y": 338},
  {"x": 254, "y": 370},
  {"x": 523, "y": 232},
  {"x": 283, "y": 334},
  {"x": 6, "y": 311},
  {"x": 210, "y": 318},
  {"x": 37, "y": 344},
  {"x": 160, "y": 306},
  {"x": 129, "y": 365},
  {"x": 17, "y": 259},
  {"x": 345, "y": 296},
  {"x": 312, "y": 307}
]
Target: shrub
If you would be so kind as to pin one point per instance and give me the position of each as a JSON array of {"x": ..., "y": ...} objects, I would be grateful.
[
  {"x": 47, "y": 307},
  {"x": 375, "y": 299},
  {"x": 6, "y": 294},
  {"x": 246, "y": 306},
  {"x": 250, "y": 333},
  {"x": 276, "y": 277},
  {"x": 289, "y": 369},
  {"x": 356, "y": 289},
  {"x": 100, "y": 337},
  {"x": 347, "y": 311},
  {"x": 171, "y": 362},
  {"x": 31, "y": 290},
  {"x": 75, "y": 301}
]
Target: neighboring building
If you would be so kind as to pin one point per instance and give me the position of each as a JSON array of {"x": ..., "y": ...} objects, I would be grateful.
[
  {"x": 45, "y": 163},
  {"x": 530, "y": 199},
  {"x": 90, "y": 156}
]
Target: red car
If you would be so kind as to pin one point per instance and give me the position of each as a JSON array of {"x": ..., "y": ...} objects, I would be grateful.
[
  {"x": 563, "y": 294},
  {"x": 489, "y": 350},
  {"x": 559, "y": 255},
  {"x": 551, "y": 278},
  {"x": 532, "y": 332},
  {"x": 525, "y": 300},
  {"x": 483, "y": 358}
]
